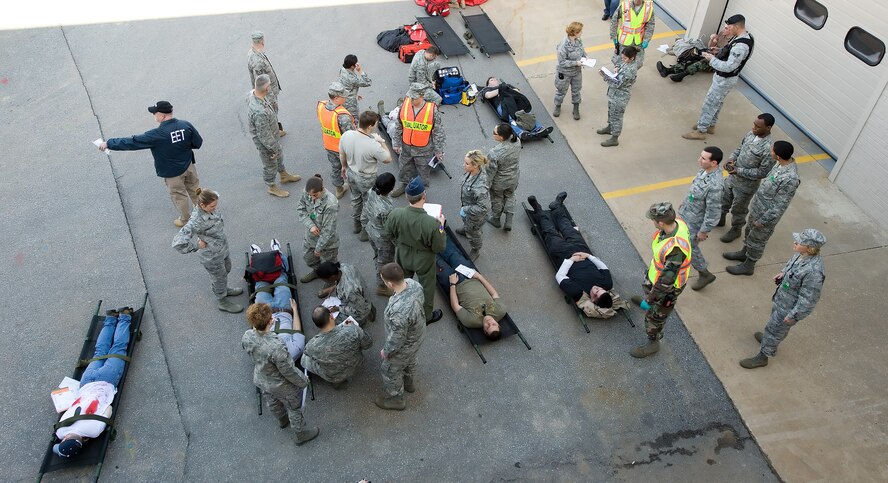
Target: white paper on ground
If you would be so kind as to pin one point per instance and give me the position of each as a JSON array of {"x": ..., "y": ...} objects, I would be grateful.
[{"x": 664, "y": 48}]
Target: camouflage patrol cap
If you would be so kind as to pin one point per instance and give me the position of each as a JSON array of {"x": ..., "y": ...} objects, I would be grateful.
[
  {"x": 661, "y": 211},
  {"x": 336, "y": 89},
  {"x": 416, "y": 90},
  {"x": 810, "y": 238},
  {"x": 257, "y": 36}
]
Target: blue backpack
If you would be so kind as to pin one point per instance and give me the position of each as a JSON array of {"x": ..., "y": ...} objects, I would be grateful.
[{"x": 450, "y": 85}]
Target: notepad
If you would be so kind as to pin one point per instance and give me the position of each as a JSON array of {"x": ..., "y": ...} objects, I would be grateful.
[
  {"x": 434, "y": 210},
  {"x": 607, "y": 72},
  {"x": 465, "y": 271},
  {"x": 587, "y": 62}
]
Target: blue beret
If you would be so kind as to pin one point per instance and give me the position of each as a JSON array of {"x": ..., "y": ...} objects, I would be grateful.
[{"x": 415, "y": 188}]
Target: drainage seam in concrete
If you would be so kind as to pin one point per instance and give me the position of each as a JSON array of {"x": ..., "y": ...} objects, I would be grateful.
[{"x": 136, "y": 251}]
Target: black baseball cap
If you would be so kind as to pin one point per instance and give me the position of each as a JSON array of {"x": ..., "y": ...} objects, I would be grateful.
[
  {"x": 735, "y": 19},
  {"x": 161, "y": 106}
]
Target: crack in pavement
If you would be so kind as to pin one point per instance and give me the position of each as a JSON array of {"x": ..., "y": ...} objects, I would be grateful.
[{"x": 116, "y": 178}]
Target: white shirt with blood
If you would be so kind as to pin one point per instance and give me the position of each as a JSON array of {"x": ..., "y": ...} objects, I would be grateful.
[{"x": 93, "y": 398}]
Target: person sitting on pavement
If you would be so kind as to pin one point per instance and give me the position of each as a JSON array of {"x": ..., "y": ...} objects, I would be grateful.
[
  {"x": 514, "y": 108},
  {"x": 98, "y": 385},
  {"x": 335, "y": 354},
  {"x": 475, "y": 302},
  {"x": 582, "y": 276},
  {"x": 346, "y": 284}
]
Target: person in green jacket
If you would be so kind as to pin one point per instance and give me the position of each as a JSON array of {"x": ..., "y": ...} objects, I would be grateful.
[{"x": 418, "y": 237}]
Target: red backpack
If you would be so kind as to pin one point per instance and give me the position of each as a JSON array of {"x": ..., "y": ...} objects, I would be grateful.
[
  {"x": 438, "y": 7},
  {"x": 266, "y": 266}
]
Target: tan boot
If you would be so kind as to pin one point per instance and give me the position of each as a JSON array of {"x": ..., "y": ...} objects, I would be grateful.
[
  {"x": 387, "y": 402},
  {"x": 289, "y": 178},
  {"x": 341, "y": 191},
  {"x": 275, "y": 191},
  {"x": 308, "y": 277},
  {"x": 282, "y": 133},
  {"x": 178, "y": 222},
  {"x": 695, "y": 134},
  {"x": 709, "y": 130},
  {"x": 398, "y": 191},
  {"x": 307, "y": 435},
  {"x": 644, "y": 350}
]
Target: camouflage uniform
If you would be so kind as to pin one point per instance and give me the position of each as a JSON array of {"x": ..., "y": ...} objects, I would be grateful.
[
  {"x": 423, "y": 72},
  {"x": 376, "y": 211},
  {"x": 414, "y": 160},
  {"x": 351, "y": 80},
  {"x": 503, "y": 172},
  {"x": 753, "y": 161},
  {"x": 795, "y": 297},
  {"x": 404, "y": 334},
  {"x": 700, "y": 210},
  {"x": 346, "y": 123},
  {"x": 321, "y": 213},
  {"x": 266, "y": 136},
  {"x": 618, "y": 94},
  {"x": 258, "y": 64},
  {"x": 210, "y": 228},
  {"x": 350, "y": 290},
  {"x": 568, "y": 72},
  {"x": 474, "y": 196},
  {"x": 649, "y": 26},
  {"x": 336, "y": 355},
  {"x": 768, "y": 205},
  {"x": 721, "y": 85},
  {"x": 275, "y": 374},
  {"x": 691, "y": 68}
]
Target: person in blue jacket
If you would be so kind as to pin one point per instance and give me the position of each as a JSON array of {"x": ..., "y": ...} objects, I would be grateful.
[{"x": 172, "y": 144}]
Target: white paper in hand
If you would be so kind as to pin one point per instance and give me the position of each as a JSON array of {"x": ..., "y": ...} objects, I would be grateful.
[
  {"x": 587, "y": 62},
  {"x": 434, "y": 210},
  {"x": 98, "y": 142},
  {"x": 351, "y": 320},
  {"x": 607, "y": 72},
  {"x": 465, "y": 271}
]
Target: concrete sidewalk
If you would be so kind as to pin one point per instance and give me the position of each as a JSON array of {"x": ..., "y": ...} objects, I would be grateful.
[{"x": 818, "y": 410}]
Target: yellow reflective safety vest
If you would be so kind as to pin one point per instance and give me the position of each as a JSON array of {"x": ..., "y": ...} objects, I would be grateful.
[
  {"x": 417, "y": 126},
  {"x": 662, "y": 248},
  {"x": 330, "y": 125},
  {"x": 632, "y": 29}
]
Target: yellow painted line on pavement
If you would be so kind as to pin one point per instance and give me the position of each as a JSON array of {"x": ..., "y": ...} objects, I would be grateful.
[
  {"x": 594, "y": 48},
  {"x": 684, "y": 181}
]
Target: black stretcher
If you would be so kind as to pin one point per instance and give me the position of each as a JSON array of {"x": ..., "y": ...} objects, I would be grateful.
[
  {"x": 489, "y": 38},
  {"x": 94, "y": 450},
  {"x": 476, "y": 335},
  {"x": 556, "y": 263},
  {"x": 442, "y": 36},
  {"x": 291, "y": 282},
  {"x": 388, "y": 140}
]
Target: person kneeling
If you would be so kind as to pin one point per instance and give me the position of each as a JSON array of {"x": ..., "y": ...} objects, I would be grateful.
[{"x": 335, "y": 354}]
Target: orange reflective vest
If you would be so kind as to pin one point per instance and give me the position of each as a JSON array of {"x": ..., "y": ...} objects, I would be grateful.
[
  {"x": 662, "y": 248},
  {"x": 417, "y": 126},
  {"x": 330, "y": 125},
  {"x": 632, "y": 29}
]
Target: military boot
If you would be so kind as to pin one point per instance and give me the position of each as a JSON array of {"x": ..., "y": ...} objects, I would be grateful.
[
  {"x": 604, "y": 130},
  {"x": 283, "y": 421},
  {"x": 308, "y": 277},
  {"x": 494, "y": 220},
  {"x": 178, "y": 222},
  {"x": 731, "y": 235},
  {"x": 759, "y": 360},
  {"x": 307, "y": 435},
  {"x": 758, "y": 337},
  {"x": 289, "y": 178},
  {"x": 460, "y": 231},
  {"x": 576, "y": 112},
  {"x": 408, "y": 384},
  {"x": 397, "y": 403},
  {"x": 275, "y": 191},
  {"x": 557, "y": 111},
  {"x": 507, "y": 225},
  {"x": 679, "y": 77},
  {"x": 705, "y": 278},
  {"x": 356, "y": 227},
  {"x": 663, "y": 70},
  {"x": 226, "y": 305},
  {"x": 611, "y": 141},
  {"x": 745, "y": 268},
  {"x": 709, "y": 130},
  {"x": 398, "y": 191},
  {"x": 722, "y": 219},
  {"x": 380, "y": 108},
  {"x": 738, "y": 256},
  {"x": 233, "y": 292},
  {"x": 644, "y": 350},
  {"x": 341, "y": 191},
  {"x": 363, "y": 236},
  {"x": 695, "y": 134}
]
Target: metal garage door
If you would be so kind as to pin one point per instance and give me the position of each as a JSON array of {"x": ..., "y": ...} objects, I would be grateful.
[
  {"x": 681, "y": 10},
  {"x": 808, "y": 73}
]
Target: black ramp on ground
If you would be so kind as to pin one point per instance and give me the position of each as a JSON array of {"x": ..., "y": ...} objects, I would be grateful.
[
  {"x": 572, "y": 409},
  {"x": 489, "y": 38},
  {"x": 442, "y": 36}
]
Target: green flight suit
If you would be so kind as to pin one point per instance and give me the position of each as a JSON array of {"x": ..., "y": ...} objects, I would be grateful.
[{"x": 418, "y": 237}]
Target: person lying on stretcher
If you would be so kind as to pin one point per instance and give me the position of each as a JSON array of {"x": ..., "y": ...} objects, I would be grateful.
[
  {"x": 514, "y": 108},
  {"x": 98, "y": 385},
  {"x": 474, "y": 300},
  {"x": 582, "y": 276},
  {"x": 277, "y": 310}
]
